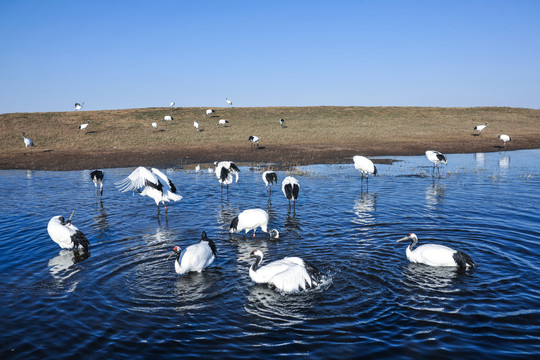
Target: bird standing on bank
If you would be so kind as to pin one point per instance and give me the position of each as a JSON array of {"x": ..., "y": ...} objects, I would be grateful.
[
  {"x": 172, "y": 104},
  {"x": 365, "y": 166},
  {"x": 251, "y": 219},
  {"x": 209, "y": 112},
  {"x": 290, "y": 274},
  {"x": 229, "y": 102},
  {"x": 148, "y": 181},
  {"x": 436, "y": 255},
  {"x": 84, "y": 126},
  {"x": 479, "y": 128},
  {"x": 196, "y": 125},
  {"x": 195, "y": 257},
  {"x": 222, "y": 122},
  {"x": 97, "y": 178},
  {"x": 79, "y": 106},
  {"x": 154, "y": 125},
  {"x": 28, "y": 143},
  {"x": 65, "y": 234},
  {"x": 254, "y": 141},
  {"x": 436, "y": 158},
  {"x": 281, "y": 122}
]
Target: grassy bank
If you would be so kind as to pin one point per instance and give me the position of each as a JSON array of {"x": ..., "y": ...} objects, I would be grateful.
[{"x": 340, "y": 130}]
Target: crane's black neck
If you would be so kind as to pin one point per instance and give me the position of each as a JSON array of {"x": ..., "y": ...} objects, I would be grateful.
[
  {"x": 414, "y": 241},
  {"x": 257, "y": 263}
]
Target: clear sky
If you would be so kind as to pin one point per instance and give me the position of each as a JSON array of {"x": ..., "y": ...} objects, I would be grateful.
[{"x": 135, "y": 54}]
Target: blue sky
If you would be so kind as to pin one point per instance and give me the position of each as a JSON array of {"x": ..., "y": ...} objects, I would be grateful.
[{"x": 136, "y": 54}]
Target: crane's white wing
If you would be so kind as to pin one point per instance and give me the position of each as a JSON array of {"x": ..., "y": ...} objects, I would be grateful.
[{"x": 136, "y": 180}]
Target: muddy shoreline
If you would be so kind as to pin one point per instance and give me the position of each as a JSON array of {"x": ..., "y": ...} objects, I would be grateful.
[{"x": 280, "y": 156}]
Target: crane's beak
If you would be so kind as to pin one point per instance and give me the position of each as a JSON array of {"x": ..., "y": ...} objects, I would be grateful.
[
  {"x": 70, "y": 216},
  {"x": 245, "y": 258},
  {"x": 173, "y": 253},
  {"x": 408, "y": 237}
]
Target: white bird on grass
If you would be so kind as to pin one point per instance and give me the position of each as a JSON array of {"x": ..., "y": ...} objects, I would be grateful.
[
  {"x": 154, "y": 125},
  {"x": 142, "y": 178},
  {"x": 365, "y": 166},
  {"x": 290, "y": 274},
  {"x": 222, "y": 122},
  {"x": 480, "y": 127},
  {"x": 209, "y": 112},
  {"x": 196, "y": 125},
  {"x": 167, "y": 118},
  {"x": 83, "y": 126},
  {"x": 172, "y": 104},
  {"x": 290, "y": 188},
  {"x": 436, "y": 158},
  {"x": 28, "y": 143},
  {"x": 65, "y": 234},
  {"x": 195, "y": 257},
  {"x": 228, "y": 101},
  {"x": 97, "y": 178},
  {"x": 251, "y": 219},
  {"x": 79, "y": 106},
  {"x": 281, "y": 122},
  {"x": 254, "y": 141},
  {"x": 505, "y": 138},
  {"x": 436, "y": 255}
]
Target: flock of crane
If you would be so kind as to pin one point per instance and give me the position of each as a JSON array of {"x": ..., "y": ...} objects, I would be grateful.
[{"x": 288, "y": 274}]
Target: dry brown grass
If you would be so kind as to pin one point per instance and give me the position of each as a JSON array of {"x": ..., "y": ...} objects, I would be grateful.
[{"x": 343, "y": 130}]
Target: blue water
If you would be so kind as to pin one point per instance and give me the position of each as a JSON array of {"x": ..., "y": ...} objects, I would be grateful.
[{"x": 125, "y": 300}]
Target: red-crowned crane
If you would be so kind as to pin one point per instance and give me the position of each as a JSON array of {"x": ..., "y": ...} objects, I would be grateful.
[
  {"x": 65, "y": 234},
  {"x": 479, "y": 128},
  {"x": 224, "y": 171},
  {"x": 291, "y": 189},
  {"x": 28, "y": 143},
  {"x": 209, "y": 112},
  {"x": 269, "y": 177},
  {"x": 436, "y": 255},
  {"x": 365, "y": 166},
  {"x": 79, "y": 106},
  {"x": 148, "y": 181},
  {"x": 290, "y": 274},
  {"x": 254, "y": 141},
  {"x": 251, "y": 219},
  {"x": 505, "y": 138},
  {"x": 229, "y": 102},
  {"x": 97, "y": 178},
  {"x": 196, "y": 257},
  {"x": 436, "y": 158}
]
